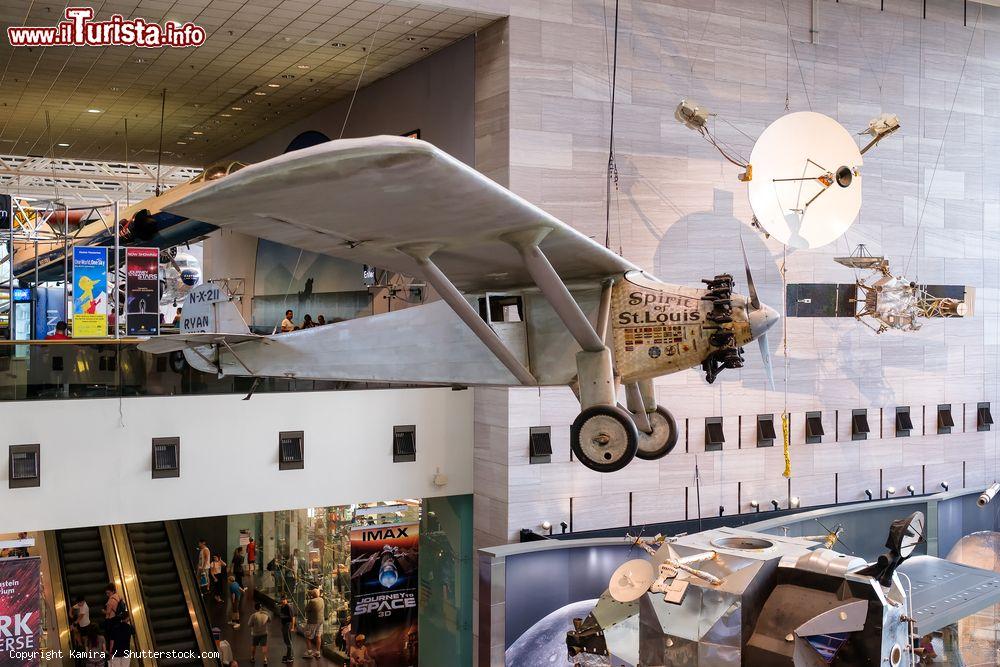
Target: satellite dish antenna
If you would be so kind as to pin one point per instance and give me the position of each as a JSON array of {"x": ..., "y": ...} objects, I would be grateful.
[
  {"x": 805, "y": 189},
  {"x": 631, "y": 580}
]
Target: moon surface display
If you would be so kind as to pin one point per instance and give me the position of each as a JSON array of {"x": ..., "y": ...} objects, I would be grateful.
[{"x": 544, "y": 643}]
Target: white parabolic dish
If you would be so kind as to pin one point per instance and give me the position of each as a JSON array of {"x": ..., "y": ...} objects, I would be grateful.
[
  {"x": 805, "y": 145},
  {"x": 631, "y": 580}
]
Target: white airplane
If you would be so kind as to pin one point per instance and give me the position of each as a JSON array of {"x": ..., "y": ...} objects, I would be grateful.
[{"x": 525, "y": 299}]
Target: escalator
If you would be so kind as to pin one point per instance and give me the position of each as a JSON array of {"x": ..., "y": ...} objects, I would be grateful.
[
  {"x": 172, "y": 603},
  {"x": 84, "y": 568}
]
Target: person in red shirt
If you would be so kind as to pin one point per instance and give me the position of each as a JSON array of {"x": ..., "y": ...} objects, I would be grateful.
[
  {"x": 60, "y": 332},
  {"x": 252, "y": 556}
]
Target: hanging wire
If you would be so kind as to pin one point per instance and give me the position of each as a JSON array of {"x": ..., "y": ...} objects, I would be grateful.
[
  {"x": 785, "y": 435},
  {"x": 364, "y": 65},
  {"x": 612, "y": 175},
  {"x": 944, "y": 137},
  {"x": 795, "y": 53},
  {"x": 159, "y": 152}
]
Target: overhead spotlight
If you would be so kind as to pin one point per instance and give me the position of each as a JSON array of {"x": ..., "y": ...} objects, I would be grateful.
[
  {"x": 93, "y": 111},
  {"x": 303, "y": 66},
  {"x": 564, "y": 526},
  {"x": 63, "y": 145},
  {"x": 274, "y": 85},
  {"x": 913, "y": 491},
  {"x": 226, "y": 115},
  {"x": 182, "y": 143},
  {"x": 197, "y": 132},
  {"x": 722, "y": 510},
  {"x": 236, "y": 108},
  {"x": 259, "y": 92},
  {"x": 868, "y": 492},
  {"x": 944, "y": 485},
  {"x": 411, "y": 39},
  {"x": 890, "y": 491},
  {"x": 755, "y": 505},
  {"x": 775, "y": 504},
  {"x": 795, "y": 501},
  {"x": 140, "y": 60},
  {"x": 547, "y": 526}
]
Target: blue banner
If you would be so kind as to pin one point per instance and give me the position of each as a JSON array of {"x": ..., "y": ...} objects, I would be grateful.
[{"x": 90, "y": 292}]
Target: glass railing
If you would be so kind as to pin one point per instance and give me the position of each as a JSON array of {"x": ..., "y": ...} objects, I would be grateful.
[{"x": 47, "y": 370}]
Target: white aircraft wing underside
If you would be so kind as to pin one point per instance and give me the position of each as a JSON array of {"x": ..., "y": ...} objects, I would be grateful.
[
  {"x": 424, "y": 345},
  {"x": 361, "y": 199}
]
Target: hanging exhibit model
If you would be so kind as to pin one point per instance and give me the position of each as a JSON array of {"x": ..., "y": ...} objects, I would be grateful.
[
  {"x": 887, "y": 302},
  {"x": 525, "y": 299},
  {"x": 733, "y": 597},
  {"x": 804, "y": 173}
]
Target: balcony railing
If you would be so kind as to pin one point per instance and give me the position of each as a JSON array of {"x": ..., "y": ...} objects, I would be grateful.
[{"x": 45, "y": 370}]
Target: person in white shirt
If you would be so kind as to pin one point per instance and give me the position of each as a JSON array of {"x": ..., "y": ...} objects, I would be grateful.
[
  {"x": 225, "y": 650},
  {"x": 287, "y": 324},
  {"x": 80, "y": 614}
]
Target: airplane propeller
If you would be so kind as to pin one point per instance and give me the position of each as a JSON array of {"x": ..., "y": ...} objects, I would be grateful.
[{"x": 754, "y": 305}]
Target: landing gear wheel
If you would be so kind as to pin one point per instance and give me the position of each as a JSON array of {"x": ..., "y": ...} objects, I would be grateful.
[
  {"x": 604, "y": 438},
  {"x": 661, "y": 441}
]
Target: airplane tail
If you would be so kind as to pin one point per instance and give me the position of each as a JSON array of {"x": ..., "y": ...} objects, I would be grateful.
[{"x": 208, "y": 309}]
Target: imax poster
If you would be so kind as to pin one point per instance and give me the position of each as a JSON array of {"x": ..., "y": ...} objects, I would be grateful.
[
  {"x": 90, "y": 292},
  {"x": 20, "y": 612},
  {"x": 142, "y": 291},
  {"x": 384, "y": 588}
]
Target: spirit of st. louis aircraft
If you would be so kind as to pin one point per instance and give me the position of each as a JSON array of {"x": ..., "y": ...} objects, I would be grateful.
[{"x": 554, "y": 307}]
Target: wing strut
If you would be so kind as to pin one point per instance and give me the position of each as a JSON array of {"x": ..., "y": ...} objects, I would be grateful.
[
  {"x": 553, "y": 288},
  {"x": 450, "y": 294}
]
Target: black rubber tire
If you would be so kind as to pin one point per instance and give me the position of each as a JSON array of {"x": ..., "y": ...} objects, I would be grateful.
[
  {"x": 626, "y": 428},
  {"x": 668, "y": 446}
]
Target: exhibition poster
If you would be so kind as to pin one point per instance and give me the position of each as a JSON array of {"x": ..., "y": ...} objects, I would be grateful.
[
  {"x": 90, "y": 292},
  {"x": 142, "y": 291},
  {"x": 384, "y": 587},
  {"x": 20, "y": 612}
]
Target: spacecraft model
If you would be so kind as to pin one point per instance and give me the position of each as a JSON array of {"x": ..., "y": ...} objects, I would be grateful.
[
  {"x": 804, "y": 173},
  {"x": 733, "y": 597},
  {"x": 888, "y": 302}
]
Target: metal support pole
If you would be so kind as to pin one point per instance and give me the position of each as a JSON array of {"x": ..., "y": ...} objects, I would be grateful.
[
  {"x": 67, "y": 289},
  {"x": 813, "y": 21},
  {"x": 456, "y": 300},
  {"x": 117, "y": 295},
  {"x": 10, "y": 264},
  {"x": 554, "y": 289}
]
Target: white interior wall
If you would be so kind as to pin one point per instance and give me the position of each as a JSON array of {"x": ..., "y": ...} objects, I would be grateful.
[{"x": 95, "y": 460}]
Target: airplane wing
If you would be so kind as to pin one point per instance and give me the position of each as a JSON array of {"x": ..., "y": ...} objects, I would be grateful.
[
  {"x": 164, "y": 344},
  {"x": 360, "y": 199},
  {"x": 945, "y": 592}
]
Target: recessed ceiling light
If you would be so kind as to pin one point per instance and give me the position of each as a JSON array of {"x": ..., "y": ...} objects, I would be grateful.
[
  {"x": 115, "y": 89},
  {"x": 274, "y": 85},
  {"x": 226, "y": 115},
  {"x": 93, "y": 111},
  {"x": 182, "y": 143},
  {"x": 140, "y": 60},
  {"x": 197, "y": 132},
  {"x": 237, "y": 108},
  {"x": 303, "y": 66},
  {"x": 259, "y": 92},
  {"x": 411, "y": 39},
  {"x": 64, "y": 145},
  {"x": 425, "y": 48}
]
